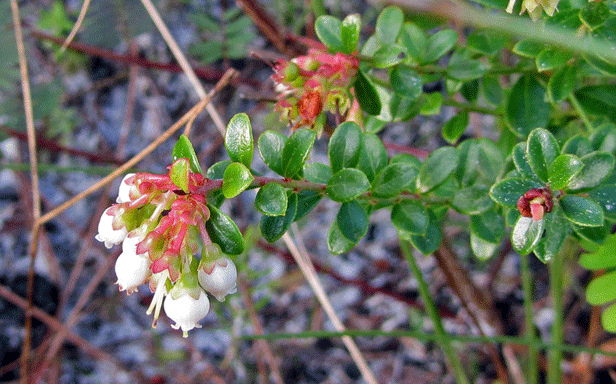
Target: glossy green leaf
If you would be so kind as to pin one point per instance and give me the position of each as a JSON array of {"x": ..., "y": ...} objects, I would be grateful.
[
  {"x": 183, "y": 149},
  {"x": 482, "y": 249},
  {"x": 235, "y": 180},
  {"x": 467, "y": 70},
  {"x": 347, "y": 184},
  {"x": 317, "y": 173},
  {"x": 431, "y": 240},
  {"x": 405, "y": 158},
  {"x": 508, "y": 191},
  {"x": 352, "y": 221},
  {"x": 594, "y": 235},
  {"x": 406, "y": 82},
  {"x": 491, "y": 90},
  {"x": 603, "y": 258},
  {"x": 468, "y": 162},
  {"x": 473, "y": 200},
  {"x": 410, "y": 217},
  {"x": 439, "y": 44},
  {"x": 437, "y": 168},
  {"x": 526, "y": 106},
  {"x": 605, "y": 196},
  {"x": 273, "y": 227},
  {"x": 594, "y": 14},
  {"x": 329, "y": 31},
  {"x": 470, "y": 90},
  {"x": 271, "y": 200},
  {"x": 526, "y": 235},
  {"x": 518, "y": 154},
  {"x": 556, "y": 231},
  {"x": 541, "y": 150},
  {"x": 388, "y": 56},
  {"x": 491, "y": 160},
  {"x": 345, "y": 146},
  {"x": 562, "y": 170},
  {"x": 608, "y": 318},
  {"x": 224, "y": 232},
  {"x": 528, "y": 48},
  {"x": 601, "y": 289},
  {"x": 336, "y": 242},
  {"x": 455, "y": 127},
  {"x": 604, "y": 138},
  {"x": 486, "y": 42},
  {"x": 432, "y": 103},
  {"x": 490, "y": 226},
  {"x": 296, "y": 152},
  {"x": 597, "y": 167},
  {"x": 373, "y": 155},
  {"x": 271, "y": 145},
  {"x": 414, "y": 40},
  {"x": 550, "y": 59},
  {"x": 366, "y": 94},
  {"x": 238, "y": 139},
  {"x": 393, "y": 179},
  {"x": 577, "y": 145},
  {"x": 562, "y": 83},
  {"x": 599, "y": 100},
  {"x": 581, "y": 211},
  {"x": 179, "y": 173},
  {"x": 602, "y": 65},
  {"x": 217, "y": 170},
  {"x": 349, "y": 33},
  {"x": 388, "y": 25},
  {"x": 306, "y": 201}
]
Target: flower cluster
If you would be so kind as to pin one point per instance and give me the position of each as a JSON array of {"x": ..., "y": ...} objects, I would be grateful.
[
  {"x": 312, "y": 84},
  {"x": 160, "y": 220},
  {"x": 535, "y": 8}
]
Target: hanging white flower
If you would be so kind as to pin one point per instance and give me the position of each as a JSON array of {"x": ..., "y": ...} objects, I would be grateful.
[
  {"x": 106, "y": 233},
  {"x": 132, "y": 269},
  {"x": 125, "y": 189},
  {"x": 219, "y": 278},
  {"x": 186, "y": 311}
]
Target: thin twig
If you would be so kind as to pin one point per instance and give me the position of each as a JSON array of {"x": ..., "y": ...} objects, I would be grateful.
[
  {"x": 179, "y": 56},
  {"x": 146, "y": 151},
  {"x": 298, "y": 250},
  {"x": 36, "y": 198},
  {"x": 80, "y": 18}
]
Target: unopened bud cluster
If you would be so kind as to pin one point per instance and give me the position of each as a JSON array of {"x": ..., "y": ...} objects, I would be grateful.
[
  {"x": 312, "y": 84},
  {"x": 162, "y": 226}
]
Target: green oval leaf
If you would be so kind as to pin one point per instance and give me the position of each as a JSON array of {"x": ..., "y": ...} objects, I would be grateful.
[
  {"x": 373, "y": 155},
  {"x": 410, "y": 217},
  {"x": 597, "y": 167},
  {"x": 329, "y": 31},
  {"x": 608, "y": 318},
  {"x": 349, "y": 33},
  {"x": 393, "y": 179},
  {"x": 508, "y": 191},
  {"x": 238, "y": 139},
  {"x": 183, "y": 149},
  {"x": 224, "y": 232},
  {"x": 437, "y": 168},
  {"x": 271, "y": 200},
  {"x": 413, "y": 39},
  {"x": 235, "y": 180},
  {"x": 605, "y": 196},
  {"x": 603, "y": 258},
  {"x": 541, "y": 150},
  {"x": 317, "y": 173},
  {"x": 273, "y": 227},
  {"x": 489, "y": 226},
  {"x": 601, "y": 289},
  {"x": 562, "y": 170},
  {"x": 482, "y": 249},
  {"x": 306, "y": 201},
  {"x": 345, "y": 146},
  {"x": 388, "y": 25},
  {"x": 271, "y": 145},
  {"x": 599, "y": 100},
  {"x": 179, "y": 174},
  {"x": 388, "y": 56},
  {"x": 550, "y": 59},
  {"x": 439, "y": 44},
  {"x": 336, "y": 242},
  {"x": 473, "y": 200},
  {"x": 296, "y": 152},
  {"x": 352, "y": 221},
  {"x": 406, "y": 82},
  {"x": 526, "y": 106},
  {"x": 366, "y": 94},
  {"x": 581, "y": 211},
  {"x": 455, "y": 127},
  {"x": 526, "y": 235},
  {"x": 467, "y": 70},
  {"x": 431, "y": 240},
  {"x": 562, "y": 83},
  {"x": 557, "y": 228},
  {"x": 347, "y": 184}
]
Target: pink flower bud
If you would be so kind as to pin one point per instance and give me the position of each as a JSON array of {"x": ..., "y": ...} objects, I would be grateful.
[
  {"x": 106, "y": 232},
  {"x": 186, "y": 311},
  {"x": 218, "y": 278},
  {"x": 131, "y": 269}
]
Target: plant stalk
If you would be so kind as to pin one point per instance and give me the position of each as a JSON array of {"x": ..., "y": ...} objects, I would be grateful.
[
  {"x": 533, "y": 353},
  {"x": 556, "y": 292}
]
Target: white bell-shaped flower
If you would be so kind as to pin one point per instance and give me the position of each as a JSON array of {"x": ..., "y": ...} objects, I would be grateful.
[
  {"x": 186, "y": 311},
  {"x": 219, "y": 278},
  {"x": 125, "y": 189},
  {"x": 132, "y": 269},
  {"x": 106, "y": 233}
]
